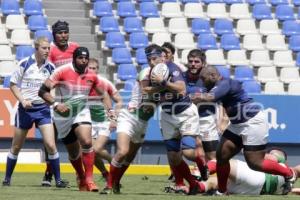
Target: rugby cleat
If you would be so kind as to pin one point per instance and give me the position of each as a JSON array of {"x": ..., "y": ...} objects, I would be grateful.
[
  {"x": 92, "y": 187},
  {"x": 62, "y": 184},
  {"x": 5, "y": 182},
  {"x": 289, "y": 182},
  {"x": 46, "y": 182},
  {"x": 106, "y": 190},
  {"x": 177, "y": 189}
]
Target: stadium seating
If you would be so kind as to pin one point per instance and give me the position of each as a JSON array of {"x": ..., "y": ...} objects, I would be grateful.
[
  {"x": 129, "y": 84},
  {"x": 284, "y": 12},
  {"x": 216, "y": 10},
  {"x": 148, "y": 9},
  {"x": 261, "y": 11},
  {"x": 7, "y": 67},
  {"x": 23, "y": 51},
  {"x": 126, "y": 9},
  {"x": 200, "y": 26},
  {"x": 230, "y": 42},
  {"x": 274, "y": 87},
  {"x": 114, "y": 40},
  {"x": 184, "y": 41},
  {"x": 283, "y": 59},
  {"x": 33, "y": 7},
  {"x": 237, "y": 57},
  {"x": 154, "y": 25},
  {"x": 141, "y": 56},
  {"x": 294, "y": 88},
  {"x": 252, "y": 87},
  {"x": 294, "y": 43},
  {"x": 20, "y": 37},
  {"x": 3, "y": 37},
  {"x": 215, "y": 57},
  {"x": 261, "y": 58},
  {"x": 15, "y": 22},
  {"x": 246, "y": 26},
  {"x": 288, "y": 75},
  {"x": 133, "y": 24},
  {"x": 121, "y": 56},
  {"x": 207, "y": 41},
  {"x": 37, "y": 22},
  {"x": 267, "y": 74},
  {"x": 268, "y": 27},
  {"x": 10, "y": 7},
  {"x": 178, "y": 25},
  {"x": 160, "y": 38},
  {"x": 44, "y": 33},
  {"x": 171, "y": 9},
  {"x": 243, "y": 73},
  {"x": 239, "y": 11},
  {"x": 108, "y": 24},
  {"x": 223, "y": 70},
  {"x": 290, "y": 28},
  {"x": 102, "y": 8},
  {"x": 223, "y": 26},
  {"x": 193, "y": 10},
  {"x": 126, "y": 71},
  {"x": 138, "y": 40}
]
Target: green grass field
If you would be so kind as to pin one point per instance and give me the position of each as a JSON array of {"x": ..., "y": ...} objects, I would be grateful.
[{"x": 25, "y": 186}]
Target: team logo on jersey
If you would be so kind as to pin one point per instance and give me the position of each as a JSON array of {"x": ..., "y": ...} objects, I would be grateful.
[
  {"x": 45, "y": 73},
  {"x": 176, "y": 73}
]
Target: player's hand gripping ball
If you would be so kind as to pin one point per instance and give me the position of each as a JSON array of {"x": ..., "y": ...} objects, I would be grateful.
[{"x": 159, "y": 73}]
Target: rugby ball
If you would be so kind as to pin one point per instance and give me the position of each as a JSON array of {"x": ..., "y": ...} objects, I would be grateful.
[{"x": 160, "y": 69}]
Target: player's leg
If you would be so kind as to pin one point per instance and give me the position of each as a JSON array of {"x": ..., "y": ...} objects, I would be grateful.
[
  {"x": 101, "y": 153},
  {"x": 229, "y": 146},
  {"x": 47, "y": 132},
  {"x": 82, "y": 131},
  {"x": 17, "y": 143}
]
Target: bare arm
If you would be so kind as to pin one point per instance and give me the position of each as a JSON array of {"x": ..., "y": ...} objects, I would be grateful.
[
  {"x": 223, "y": 120},
  {"x": 17, "y": 93},
  {"x": 116, "y": 97},
  {"x": 202, "y": 97}
]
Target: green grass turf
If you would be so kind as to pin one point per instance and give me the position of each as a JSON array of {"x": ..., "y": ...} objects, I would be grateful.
[{"x": 25, "y": 186}]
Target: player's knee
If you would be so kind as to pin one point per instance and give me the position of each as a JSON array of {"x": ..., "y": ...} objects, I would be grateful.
[
  {"x": 15, "y": 149},
  {"x": 188, "y": 142},
  {"x": 173, "y": 145}
]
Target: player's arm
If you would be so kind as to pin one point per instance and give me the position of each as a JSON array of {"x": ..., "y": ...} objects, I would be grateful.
[
  {"x": 217, "y": 93},
  {"x": 146, "y": 88},
  {"x": 15, "y": 79},
  {"x": 116, "y": 97},
  {"x": 17, "y": 93},
  {"x": 223, "y": 120}
]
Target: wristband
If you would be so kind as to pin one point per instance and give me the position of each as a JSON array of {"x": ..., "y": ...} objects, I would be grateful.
[{"x": 55, "y": 104}]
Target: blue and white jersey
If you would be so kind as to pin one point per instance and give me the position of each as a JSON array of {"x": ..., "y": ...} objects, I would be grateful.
[
  {"x": 171, "y": 102},
  {"x": 29, "y": 77},
  {"x": 238, "y": 105},
  {"x": 196, "y": 86}
]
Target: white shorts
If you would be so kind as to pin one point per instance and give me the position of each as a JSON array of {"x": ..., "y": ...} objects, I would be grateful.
[
  {"x": 131, "y": 125},
  {"x": 184, "y": 123},
  {"x": 100, "y": 128},
  {"x": 247, "y": 180},
  {"x": 255, "y": 131},
  {"x": 64, "y": 125},
  {"x": 208, "y": 128}
]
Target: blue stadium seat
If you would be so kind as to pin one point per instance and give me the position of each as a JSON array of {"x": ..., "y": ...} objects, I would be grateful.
[
  {"x": 261, "y": 11},
  {"x": 129, "y": 84},
  {"x": 223, "y": 70},
  {"x": 278, "y": 2},
  {"x": 252, "y": 2},
  {"x": 45, "y": 33},
  {"x": 212, "y": 1},
  {"x": 141, "y": 1},
  {"x": 223, "y": 26},
  {"x": 33, "y": 7},
  {"x": 200, "y": 26},
  {"x": 189, "y": 1},
  {"x": 207, "y": 41},
  {"x": 229, "y": 2},
  {"x": 114, "y": 40},
  {"x": 298, "y": 59},
  {"x": 6, "y": 82},
  {"x": 108, "y": 24},
  {"x": 294, "y": 42},
  {"x": 37, "y": 22},
  {"x": 126, "y": 9},
  {"x": 121, "y": 55},
  {"x": 102, "y": 8},
  {"x": 230, "y": 42},
  {"x": 126, "y": 71},
  {"x": 141, "y": 56},
  {"x": 252, "y": 87},
  {"x": 243, "y": 73},
  {"x": 296, "y": 2},
  {"x": 133, "y": 24},
  {"x": 10, "y": 7},
  {"x": 23, "y": 51},
  {"x": 138, "y": 40},
  {"x": 163, "y": 1},
  {"x": 284, "y": 12},
  {"x": 290, "y": 28},
  {"x": 148, "y": 9}
]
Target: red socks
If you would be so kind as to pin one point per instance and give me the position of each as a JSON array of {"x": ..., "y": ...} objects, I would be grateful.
[
  {"x": 178, "y": 177},
  {"x": 222, "y": 175},
  {"x": 272, "y": 167},
  {"x": 77, "y": 164},
  {"x": 212, "y": 166},
  {"x": 88, "y": 163},
  {"x": 184, "y": 169}
]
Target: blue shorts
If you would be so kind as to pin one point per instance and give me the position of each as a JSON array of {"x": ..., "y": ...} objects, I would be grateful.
[{"x": 38, "y": 114}]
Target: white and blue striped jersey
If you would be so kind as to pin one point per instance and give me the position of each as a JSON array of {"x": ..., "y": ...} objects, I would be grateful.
[{"x": 29, "y": 77}]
